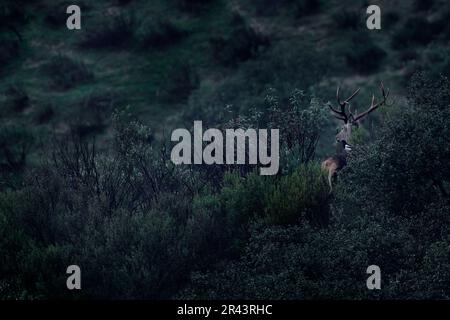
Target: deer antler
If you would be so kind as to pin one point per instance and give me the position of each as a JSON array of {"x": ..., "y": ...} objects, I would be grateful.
[
  {"x": 373, "y": 105},
  {"x": 341, "y": 114}
]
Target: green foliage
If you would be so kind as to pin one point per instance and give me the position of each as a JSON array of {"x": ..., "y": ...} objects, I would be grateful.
[
  {"x": 44, "y": 114},
  {"x": 415, "y": 31},
  {"x": 181, "y": 80},
  {"x": 67, "y": 73},
  {"x": 16, "y": 99},
  {"x": 303, "y": 194},
  {"x": 10, "y": 48},
  {"x": 141, "y": 227},
  {"x": 437, "y": 61},
  {"x": 300, "y": 123},
  {"x": 364, "y": 55},
  {"x": 128, "y": 211},
  {"x": 92, "y": 114},
  {"x": 406, "y": 168},
  {"x": 347, "y": 19},
  {"x": 242, "y": 44},
  {"x": 391, "y": 209},
  {"x": 246, "y": 89},
  {"x": 159, "y": 34},
  {"x": 114, "y": 33},
  {"x": 307, "y": 7},
  {"x": 300, "y": 8},
  {"x": 423, "y": 5},
  {"x": 15, "y": 143},
  {"x": 193, "y": 6}
]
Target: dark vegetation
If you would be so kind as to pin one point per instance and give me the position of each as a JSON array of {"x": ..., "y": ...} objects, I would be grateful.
[
  {"x": 66, "y": 73},
  {"x": 86, "y": 176},
  {"x": 114, "y": 33}
]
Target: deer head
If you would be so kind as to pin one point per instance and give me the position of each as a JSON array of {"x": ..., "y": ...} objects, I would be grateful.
[
  {"x": 349, "y": 119},
  {"x": 344, "y": 113}
]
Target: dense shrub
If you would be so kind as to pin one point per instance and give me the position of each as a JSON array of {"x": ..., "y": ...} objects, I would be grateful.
[
  {"x": 15, "y": 144},
  {"x": 391, "y": 18},
  {"x": 13, "y": 16},
  {"x": 415, "y": 31},
  {"x": 300, "y": 123},
  {"x": 300, "y": 8},
  {"x": 10, "y": 49},
  {"x": 193, "y": 6},
  {"x": 436, "y": 61},
  {"x": 67, "y": 73},
  {"x": 423, "y": 5},
  {"x": 115, "y": 33},
  {"x": 440, "y": 26},
  {"x": 267, "y": 7},
  {"x": 93, "y": 113},
  {"x": 16, "y": 99},
  {"x": 242, "y": 44},
  {"x": 364, "y": 55},
  {"x": 159, "y": 34},
  {"x": 391, "y": 210},
  {"x": 347, "y": 19},
  {"x": 303, "y": 194},
  {"x": 44, "y": 113},
  {"x": 245, "y": 90},
  {"x": 123, "y": 216},
  {"x": 415, "y": 140},
  {"x": 307, "y": 7},
  {"x": 180, "y": 81}
]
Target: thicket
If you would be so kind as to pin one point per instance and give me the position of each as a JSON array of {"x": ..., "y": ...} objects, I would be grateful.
[{"x": 392, "y": 210}]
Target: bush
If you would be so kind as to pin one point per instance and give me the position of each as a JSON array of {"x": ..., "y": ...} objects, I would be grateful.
[
  {"x": 15, "y": 144},
  {"x": 301, "y": 67},
  {"x": 67, "y": 73},
  {"x": 13, "y": 16},
  {"x": 440, "y": 26},
  {"x": 423, "y": 5},
  {"x": 10, "y": 49},
  {"x": 181, "y": 80},
  {"x": 436, "y": 61},
  {"x": 193, "y": 5},
  {"x": 115, "y": 33},
  {"x": 303, "y": 194},
  {"x": 391, "y": 210},
  {"x": 301, "y": 262},
  {"x": 16, "y": 99},
  {"x": 160, "y": 34},
  {"x": 44, "y": 113},
  {"x": 392, "y": 18},
  {"x": 125, "y": 215},
  {"x": 363, "y": 55},
  {"x": 307, "y": 7},
  {"x": 347, "y": 19},
  {"x": 415, "y": 31},
  {"x": 300, "y": 124},
  {"x": 300, "y": 8},
  {"x": 242, "y": 44},
  {"x": 93, "y": 113},
  {"x": 416, "y": 139}
]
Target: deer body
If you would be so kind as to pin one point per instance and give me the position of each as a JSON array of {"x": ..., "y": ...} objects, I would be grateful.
[
  {"x": 335, "y": 163},
  {"x": 332, "y": 165}
]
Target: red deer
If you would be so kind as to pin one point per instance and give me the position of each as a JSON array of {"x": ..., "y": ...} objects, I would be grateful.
[{"x": 335, "y": 163}]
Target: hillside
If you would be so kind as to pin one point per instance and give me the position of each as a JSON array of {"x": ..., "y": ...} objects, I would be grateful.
[{"x": 87, "y": 176}]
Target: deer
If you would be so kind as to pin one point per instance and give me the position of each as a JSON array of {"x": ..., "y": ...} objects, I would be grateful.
[{"x": 332, "y": 165}]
